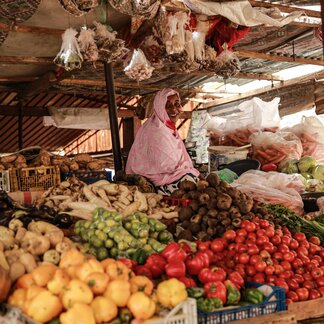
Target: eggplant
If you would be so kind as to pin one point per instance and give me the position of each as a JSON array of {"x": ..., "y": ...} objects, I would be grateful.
[
  {"x": 3, "y": 205},
  {"x": 50, "y": 211},
  {"x": 63, "y": 220}
]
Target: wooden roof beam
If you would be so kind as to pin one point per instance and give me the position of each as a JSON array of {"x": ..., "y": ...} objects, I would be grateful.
[
  {"x": 281, "y": 58},
  {"x": 43, "y": 111},
  {"x": 284, "y": 8},
  {"x": 26, "y": 60},
  {"x": 30, "y": 29}
]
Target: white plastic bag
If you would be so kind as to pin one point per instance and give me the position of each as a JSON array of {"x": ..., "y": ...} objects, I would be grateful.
[
  {"x": 227, "y": 64},
  {"x": 139, "y": 68},
  {"x": 69, "y": 57},
  {"x": 311, "y": 133},
  {"x": 272, "y": 187}
]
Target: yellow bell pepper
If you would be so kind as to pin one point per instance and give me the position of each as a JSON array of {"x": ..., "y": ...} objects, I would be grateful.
[
  {"x": 18, "y": 298},
  {"x": 88, "y": 267},
  {"x": 141, "y": 283},
  {"x": 141, "y": 306},
  {"x": 104, "y": 309},
  {"x": 171, "y": 292},
  {"x": 44, "y": 307},
  {"x": 71, "y": 258},
  {"x": 107, "y": 261},
  {"x": 76, "y": 291},
  {"x": 79, "y": 313},
  {"x": 118, "y": 270},
  {"x": 97, "y": 281},
  {"x": 58, "y": 282},
  {"x": 118, "y": 291},
  {"x": 43, "y": 274},
  {"x": 31, "y": 292}
]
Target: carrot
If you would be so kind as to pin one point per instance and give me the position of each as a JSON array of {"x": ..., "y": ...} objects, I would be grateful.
[{"x": 263, "y": 154}]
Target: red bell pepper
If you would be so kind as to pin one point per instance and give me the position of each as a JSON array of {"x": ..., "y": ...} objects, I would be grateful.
[
  {"x": 142, "y": 270},
  {"x": 189, "y": 282},
  {"x": 196, "y": 262},
  {"x": 175, "y": 269},
  {"x": 156, "y": 263},
  {"x": 216, "y": 289},
  {"x": 174, "y": 252},
  {"x": 129, "y": 263},
  {"x": 211, "y": 274},
  {"x": 236, "y": 279}
]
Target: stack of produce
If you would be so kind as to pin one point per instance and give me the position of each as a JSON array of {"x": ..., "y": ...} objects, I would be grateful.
[
  {"x": 22, "y": 249},
  {"x": 83, "y": 290},
  {"x": 133, "y": 237},
  {"x": 309, "y": 168},
  {"x": 256, "y": 252},
  {"x": 76, "y": 198}
]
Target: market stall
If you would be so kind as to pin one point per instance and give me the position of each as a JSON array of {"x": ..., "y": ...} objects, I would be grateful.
[{"x": 79, "y": 245}]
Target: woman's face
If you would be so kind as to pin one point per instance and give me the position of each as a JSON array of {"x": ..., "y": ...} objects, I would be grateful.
[{"x": 173, "y": 107}]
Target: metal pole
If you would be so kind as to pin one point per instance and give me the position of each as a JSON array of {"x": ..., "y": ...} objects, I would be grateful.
[
  {"x": 20, "y": 126},
  {"x": 112, "y": 111}
]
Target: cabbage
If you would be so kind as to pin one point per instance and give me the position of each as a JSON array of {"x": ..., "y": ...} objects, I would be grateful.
[
  {"x": 306, "y": 163},
  {"x": 318, "y": 172},
  {"x": 289, "y": 166}
]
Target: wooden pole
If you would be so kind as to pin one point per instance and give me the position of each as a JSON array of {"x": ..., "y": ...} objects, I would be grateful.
[
  {"x": 322, "y": 16},
  {"x": 113, "y": 120},
  {"x": 20, "y": 126}
]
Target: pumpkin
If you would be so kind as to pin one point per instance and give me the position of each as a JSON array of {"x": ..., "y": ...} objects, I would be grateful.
[{"x": 5, "y": 284}]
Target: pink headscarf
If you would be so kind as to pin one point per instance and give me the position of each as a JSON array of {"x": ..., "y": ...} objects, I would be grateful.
[{"x": 158, "y": 152}]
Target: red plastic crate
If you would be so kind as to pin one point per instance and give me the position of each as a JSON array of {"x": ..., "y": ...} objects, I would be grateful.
[{"x": 181, "y": 202}]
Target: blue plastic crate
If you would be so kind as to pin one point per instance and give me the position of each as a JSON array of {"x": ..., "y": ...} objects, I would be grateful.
[
  {"x": 233, "y": 313},
  {"x": 88, "y": 176}
]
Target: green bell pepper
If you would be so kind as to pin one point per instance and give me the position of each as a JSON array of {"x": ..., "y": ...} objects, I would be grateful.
[
  {"x": 208, "y": 304},
  {"x": 195, "y": 292},
  {"x": 233, "y": 294},
  {"x": 253, "y": 296}
]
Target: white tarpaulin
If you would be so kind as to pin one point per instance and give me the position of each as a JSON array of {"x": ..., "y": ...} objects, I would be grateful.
[
  {"x": 78, "y": 118},
  {"x": 240, "y": 12}
]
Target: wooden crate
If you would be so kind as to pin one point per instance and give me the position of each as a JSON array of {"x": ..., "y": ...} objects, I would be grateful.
[
  {"x": 285, "y": 317},
  {"x": 308, "y": 309}
]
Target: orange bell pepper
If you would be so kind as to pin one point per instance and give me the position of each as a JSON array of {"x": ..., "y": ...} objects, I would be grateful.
[
  {"x": 97, "y": 281},
  {"x": 119, "y": 292},
  {"x": 118, "y": 270},
  {"x": 104, "y": 309},
  {"x": 141, "y": 283},
  {"x": 18, "y": 298},
  {"x": 71, "y": 258},
  {"x": 141, "y": 306},
  {"x": 88, "y": 267},
  {"x": 25, "y": 281},
  {"x": 58, "y": 282},
  {"x": 43, "y": 274}
]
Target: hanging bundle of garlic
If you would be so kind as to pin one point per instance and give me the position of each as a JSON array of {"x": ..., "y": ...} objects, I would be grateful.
[{"x": 88, "y": 45}]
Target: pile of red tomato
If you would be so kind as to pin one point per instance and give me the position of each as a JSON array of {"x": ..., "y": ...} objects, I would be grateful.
[{"x": 263, "y": 254}]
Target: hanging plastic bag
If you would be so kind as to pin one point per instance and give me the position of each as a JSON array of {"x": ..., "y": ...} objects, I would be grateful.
[
  {"x": 109, "y": 46},
  {"x": 228, "y": 64},
  {"x": 88, "y": 45},
  {"x": 139, "y": 68},
  {"x": 69, "y": 57}
]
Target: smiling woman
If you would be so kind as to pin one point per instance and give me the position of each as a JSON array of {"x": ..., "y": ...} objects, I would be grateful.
[{"x": 158, "y": 152}]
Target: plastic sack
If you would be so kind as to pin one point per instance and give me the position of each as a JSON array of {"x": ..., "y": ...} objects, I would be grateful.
[
  {"x": 227, "y": 64},
  {"x": 235, "y": 129},
  {"x": 88, "y": 45},
  {"x": 69, "y": 57},
  {"x": 311, "y": 133},
  {"x": 142, "y": 8},
  {"x": 139, "y": 68},
  {"x": 274, "y": 148},
  {"x": 272, "y": 188}
]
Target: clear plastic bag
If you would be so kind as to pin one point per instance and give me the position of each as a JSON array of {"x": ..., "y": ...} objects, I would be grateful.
[
  {"x": 69, "y": 57},
  {"x": 311, "y": 133},
  {"x": 227, "y": 64},
  {"x": 272, "y": 188},
  {"x": 274, "y": 148},
  {"x": 139, "y": 68}
]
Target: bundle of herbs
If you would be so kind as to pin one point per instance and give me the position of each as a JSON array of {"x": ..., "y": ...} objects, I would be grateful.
[{"x": 286, "y": 217}]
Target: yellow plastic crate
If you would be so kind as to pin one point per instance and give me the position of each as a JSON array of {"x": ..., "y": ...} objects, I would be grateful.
[{"x": 34, "y": 179}]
